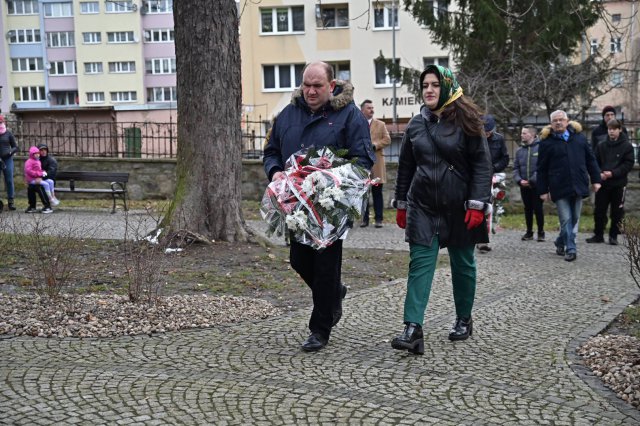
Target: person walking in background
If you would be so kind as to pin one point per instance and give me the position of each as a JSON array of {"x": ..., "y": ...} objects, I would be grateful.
[
  {"x": 321, "y": 113},
  {"x": 499, "y": 160},
  {"x": 443, "y": 191},
  {"x": 615, "y": 158},
  {"x": 565, "y": 165},
  {"x": 8, "y": 147},
  {"x": 34, "y": 175},
  {"x": 524, "y": 175},
  {"x": 50, "y": 165},
  {"x": 380, "y": 139},
  {"x": 601, "y": 132}
]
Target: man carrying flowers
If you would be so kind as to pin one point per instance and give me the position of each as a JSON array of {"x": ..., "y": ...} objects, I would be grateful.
[{"x": 321, "y": 113}]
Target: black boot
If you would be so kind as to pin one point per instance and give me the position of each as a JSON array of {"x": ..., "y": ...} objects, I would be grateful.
[
  {"x": 337, "y": 314},
  {"x": 1, "y": 206},
  {"x": 462, "y": 329},
  {"x": 10, "y": 204},
  {"x": 411, "y": 339}
]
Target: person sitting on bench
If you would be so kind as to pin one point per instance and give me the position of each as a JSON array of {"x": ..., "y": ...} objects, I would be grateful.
[
  {"x": 34, "y": 175},
  {"x": 50, "y": 165}
]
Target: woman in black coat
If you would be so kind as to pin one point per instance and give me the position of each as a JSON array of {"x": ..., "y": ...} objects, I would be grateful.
[{"x": 443, "y": 191}]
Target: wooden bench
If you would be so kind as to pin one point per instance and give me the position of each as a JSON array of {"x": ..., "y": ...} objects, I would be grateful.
[{"x": 118, "y": 184}]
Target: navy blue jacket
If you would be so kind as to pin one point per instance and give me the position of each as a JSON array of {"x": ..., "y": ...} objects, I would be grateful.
[
  {"x": 339, "y": 123},
  {"x": 526, "y": 163},
  {"x": 499, "y": 153},
  {"x": 564, "y": 167}
]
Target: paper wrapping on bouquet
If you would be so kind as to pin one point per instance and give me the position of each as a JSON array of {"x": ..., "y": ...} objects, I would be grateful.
[{"x": 318, "y": 197}]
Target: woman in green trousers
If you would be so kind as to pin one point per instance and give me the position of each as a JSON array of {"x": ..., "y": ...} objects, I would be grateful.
[{"x": 443, "y": 191}]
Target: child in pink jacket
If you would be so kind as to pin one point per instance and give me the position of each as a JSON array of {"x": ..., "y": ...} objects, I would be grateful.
[{"x": 34, "y": 175}]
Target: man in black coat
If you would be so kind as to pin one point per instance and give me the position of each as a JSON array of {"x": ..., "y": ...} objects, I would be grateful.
[{"x": 600, "y": 132}]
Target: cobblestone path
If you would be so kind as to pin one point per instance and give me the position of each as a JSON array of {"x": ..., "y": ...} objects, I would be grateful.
[{"x": 532, "y": 310}]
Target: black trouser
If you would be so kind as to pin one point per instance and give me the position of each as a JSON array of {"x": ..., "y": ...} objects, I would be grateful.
[
  {"x": 532, "y": 205},
  {"x": 604, "y": 197},
  {"x": 31, "y": 196},
  {"x": 378, "y": 204},
  {"x": 321, "y": 271}
]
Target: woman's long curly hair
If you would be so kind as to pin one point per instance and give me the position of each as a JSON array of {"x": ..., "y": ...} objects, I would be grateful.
[{"x": 466, "y": 114}]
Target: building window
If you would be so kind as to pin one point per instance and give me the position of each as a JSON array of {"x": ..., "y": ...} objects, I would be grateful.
[
  {"x": 120, "y": 6},
  {"x": 160, "y": 6},
  {"x": 382, "y": 15},
  {"x": 282, "y": 20},
  {"x": 341, "y": 70},
  {"x": 617, "y": 78},
  {"x": 58, "y": 10},
  {"x": 120, "y": 37},
  {"x": 63, "y": 68},
  {"x": 440, "y": 9},
  {"x": 23, "y": 7},
  {"x": 282, "y": 77},
  {"x": 332, "y": 16},
  {"x": 61, "y": 39},
  {"x": 29, "y": 94},
  {"x": 442, "y": 61},
  {"x": 159, "y": 36},
  {"x": 593, "y": 47},
  {"x": 87, "y": 7},
  {"x": 93, "y": 68},
  {"x": 382, "y": 74},
  {"x": 616, "y": 18},
  {"x": 122, "y": 67},
  {"x": 124, "y": 96},
  {"x": 64, "y": 98},
  {"x": 24, "y": 36},
  {"x": 92, "y": 38},
  {"x": 616, "y": 45},
  {"x": 160, "y": 66},
  {"x": 95, "y": 97},
  {"x": 162, "y": 94},
  {"x": 26, "y": 64}
]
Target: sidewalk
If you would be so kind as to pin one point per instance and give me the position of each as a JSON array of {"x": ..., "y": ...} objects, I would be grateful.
[{"x": 532, "y": 310}]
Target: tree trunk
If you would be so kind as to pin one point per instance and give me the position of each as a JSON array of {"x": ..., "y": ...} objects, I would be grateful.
[{"x": 207, "y": 199}]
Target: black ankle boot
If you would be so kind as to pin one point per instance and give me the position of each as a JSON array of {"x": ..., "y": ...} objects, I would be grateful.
[
  {"x": 462, "y": 329},
  {"x": 10, "y": 204},
  {"x": 337, "y": 314},
  {"x": 411, "y": 339}
]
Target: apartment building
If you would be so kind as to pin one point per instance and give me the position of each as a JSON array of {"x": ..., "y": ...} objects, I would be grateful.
[{"x": 93, "y": 59}]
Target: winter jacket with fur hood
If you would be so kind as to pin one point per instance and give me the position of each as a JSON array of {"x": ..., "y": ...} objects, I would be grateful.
[
  {"x": 616, "y": 157},
  {"x": 565, "y": 167},
  {"x": 339, "y": 123},
  {"x": 32, "y": 167}
]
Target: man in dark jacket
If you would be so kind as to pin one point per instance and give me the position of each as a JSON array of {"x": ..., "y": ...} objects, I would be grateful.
[
  {"x": 8, "y": 147},
  {"x": 600, "y": 132},
  {"x": 565, "y": 165},
  {"x": 524, "y": 175},
  {"x": 615, "y": 158},
  {"x": 321, "y": 113}
]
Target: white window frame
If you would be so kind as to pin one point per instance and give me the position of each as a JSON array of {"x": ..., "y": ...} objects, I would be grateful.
[
  {"x": 341, "y": 67},
  {"x": 57, "y": 39},
  {"x": 117, "y": 37},
  {"x": 435, "y": 60},
  {"x": 160, "y": 66},
  {"x": 320, "y": 8},
  {"x": 22, "y": 7},
  {"x": 93, "y": 68},
  {"x": 24, "y": 36},
  {"x": 33, "y": 94},
  {"x": 119, "y": 6},
  {"x": 95, "y": 97},
  {"x": 274, "y": 20},
  {"x": 615, "y": 45},
  {"x": 58, "y": 10},
  {"x": 276, "y": 76},
  {"x": 69, "y": 97},
  {"x": 62, "y": 68},
  {"x": 126, "y": 96},
  {"x": 594, "y": 46},
  {"x": 89, "y": 7},
  {"x": 27, "y": 65},
  {"x": 386, "y": 17},
  {"x": 156, "y": 35},
  {"x": 387, "y": 79},
  {"x": 159, "y": 94},
  {"x": 93, "y": 37},
  {"x": 617, "y": 78},
  {"x": 159, "y": 6},
  {"x": 122, "y": 67}
]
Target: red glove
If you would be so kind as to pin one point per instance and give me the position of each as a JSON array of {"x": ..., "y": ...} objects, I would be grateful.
[
  {"x": 401, "y": 218},
  {"x": 473, "y": 218}
]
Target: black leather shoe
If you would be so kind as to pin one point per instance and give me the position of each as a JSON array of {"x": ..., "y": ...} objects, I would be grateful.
[
  {"x": 337, "y": 314},
  {"x": 595, "y": 239},
  {"x": 314, "y": 343},
  {"x": 528, "y": 236},
  {"x": 462, "y": 329},
  {"x": 613, "y": 241},
  {"x": 411, "y": 339},
  {"x": 364, "y": 224},
  {"x": 570, "y": 257},
  {"x": 560, "y": 250},
  {"x": 541, "y": 238}
]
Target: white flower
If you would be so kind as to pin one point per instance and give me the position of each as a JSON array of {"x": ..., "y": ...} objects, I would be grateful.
[
  {"x": 334, "y": 192},
  {"x": 307, "y": 185},
  {"x": 326, "y": 202},
  {"x": 296, "y": 220},
  {"x": 320, "y": 180}
]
